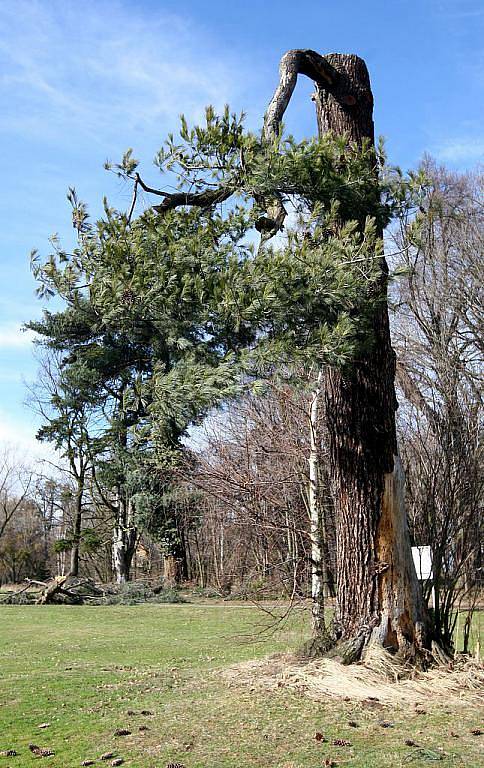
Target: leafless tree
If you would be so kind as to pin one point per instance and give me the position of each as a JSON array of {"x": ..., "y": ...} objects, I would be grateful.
[
  {"x": 438, "y": 335},
  {"x": 15, "y": 483},
  {"x": 261, "y": 477},
  {"x": 67, "y": 423},
  {"x": 22, "y": 553}
]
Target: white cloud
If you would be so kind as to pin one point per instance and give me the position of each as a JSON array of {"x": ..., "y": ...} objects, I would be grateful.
[
  {"x": 102, "y": 67},
  {"x": 12, "y": 336},
  {"x": 19, "y": 437},
  {"x": 460, "y": 150}
]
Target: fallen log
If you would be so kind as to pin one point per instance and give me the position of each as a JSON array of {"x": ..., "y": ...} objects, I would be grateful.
[
  {"x": 70, "y": 589},
  {"x": 52, "y": 589}
]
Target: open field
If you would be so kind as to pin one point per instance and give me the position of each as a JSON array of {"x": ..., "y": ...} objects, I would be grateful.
[{"x": 82, "y": 669}]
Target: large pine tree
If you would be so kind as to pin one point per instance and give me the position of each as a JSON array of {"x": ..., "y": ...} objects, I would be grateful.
[{"x": 187, "y": 280}]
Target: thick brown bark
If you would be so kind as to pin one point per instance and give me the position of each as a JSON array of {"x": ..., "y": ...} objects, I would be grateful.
[{"x": 378, "y": 596}]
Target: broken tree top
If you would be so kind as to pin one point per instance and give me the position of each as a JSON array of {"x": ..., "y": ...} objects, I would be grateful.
[{"x": 342, "y": 77}]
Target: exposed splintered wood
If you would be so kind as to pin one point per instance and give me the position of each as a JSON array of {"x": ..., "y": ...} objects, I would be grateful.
[
  {"x": 171, "y": 571},
  {"x": 378, "y": 595},
  {"x": 51, "y": 590},
  {"x": 68, "y": 589}
]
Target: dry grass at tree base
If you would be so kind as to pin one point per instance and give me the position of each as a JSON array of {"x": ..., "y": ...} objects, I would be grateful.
[{"x": 380, "y": 677}]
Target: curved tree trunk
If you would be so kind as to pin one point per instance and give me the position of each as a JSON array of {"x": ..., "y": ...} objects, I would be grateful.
[{"x": 378, "y": 595}]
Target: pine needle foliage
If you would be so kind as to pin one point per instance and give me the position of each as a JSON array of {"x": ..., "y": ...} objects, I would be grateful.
[{"x": 185, "y": 305}]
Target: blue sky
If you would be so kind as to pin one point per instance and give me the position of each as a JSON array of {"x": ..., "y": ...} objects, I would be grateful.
[{"x": 82, "y": 81}]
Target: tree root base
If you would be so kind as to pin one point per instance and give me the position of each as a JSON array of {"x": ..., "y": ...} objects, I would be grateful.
[
  {"x": 398, "y": 664},
  {"x": 317, "y": 647}
]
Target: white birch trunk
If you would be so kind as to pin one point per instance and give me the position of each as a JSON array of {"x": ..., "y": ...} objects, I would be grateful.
[
  {"x": 316, "y": 527},
  {"x": 124, "y": 539}
]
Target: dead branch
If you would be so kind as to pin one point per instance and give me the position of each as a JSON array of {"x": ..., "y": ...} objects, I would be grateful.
[
  {"x": 172, "y": 200},
  {"x": 12, "y": 595},
  {"x": 75, "y": 590},
  {"x": 51, "y": 590},
  {"x": 293, "y": 63}
]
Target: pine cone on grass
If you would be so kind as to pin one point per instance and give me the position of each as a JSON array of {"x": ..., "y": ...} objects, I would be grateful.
[
  {"x": 41, "y": 751},
  {"x": 341, "y": 743}
]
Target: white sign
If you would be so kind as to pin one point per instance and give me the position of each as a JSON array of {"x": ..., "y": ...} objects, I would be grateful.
[{"x": 422, "y": 558}]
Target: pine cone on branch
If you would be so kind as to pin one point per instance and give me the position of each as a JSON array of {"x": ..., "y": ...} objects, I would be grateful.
[{"x": 128, "y": 297}]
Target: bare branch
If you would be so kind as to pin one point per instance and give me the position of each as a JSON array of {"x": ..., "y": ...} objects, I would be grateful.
[
  {"x": 133, "y": 200},
  {"x": 293, "y": 63},
  {"x": 174, "y": 199}
]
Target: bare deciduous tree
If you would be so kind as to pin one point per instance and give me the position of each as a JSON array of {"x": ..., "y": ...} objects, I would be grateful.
[
  {"x": 15, "y": 483},
  {"x": 438, "y": 333}
]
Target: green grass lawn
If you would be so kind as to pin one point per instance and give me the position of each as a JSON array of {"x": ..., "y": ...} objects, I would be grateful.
[{"x": 82, "y": 668}]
